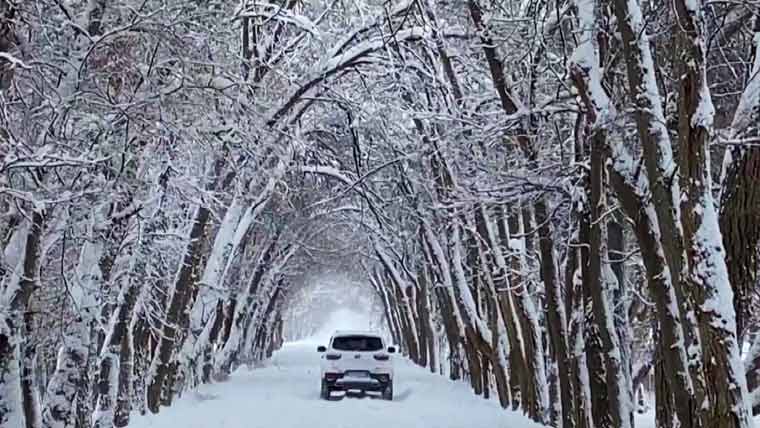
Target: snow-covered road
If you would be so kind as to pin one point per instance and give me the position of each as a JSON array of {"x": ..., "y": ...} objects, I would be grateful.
[{"x": 285, "y": 394}]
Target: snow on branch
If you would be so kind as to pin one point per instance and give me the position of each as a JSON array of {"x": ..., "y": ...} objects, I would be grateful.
[
  {"x": 328, "y": 171},
  {"x": 280, "y": 13},
  {"x": 340, "y": 62},
  {"x": 749, "y": 104}
]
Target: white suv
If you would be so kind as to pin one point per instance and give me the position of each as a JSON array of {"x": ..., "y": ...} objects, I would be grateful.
[{"x": 357, "y": 361}]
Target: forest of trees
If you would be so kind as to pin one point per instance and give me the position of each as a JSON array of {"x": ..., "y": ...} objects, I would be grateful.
[{"x": 527, "y": 185}]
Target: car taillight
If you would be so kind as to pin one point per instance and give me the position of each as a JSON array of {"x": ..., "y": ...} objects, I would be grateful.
[
  {"x": 382, "y": 357},
  {"x": 333, "y": 356}
]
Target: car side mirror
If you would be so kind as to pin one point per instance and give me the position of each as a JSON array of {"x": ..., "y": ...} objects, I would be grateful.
[
  {"x": 391, "y": 350},
  {"x": 321, "y": 349}
]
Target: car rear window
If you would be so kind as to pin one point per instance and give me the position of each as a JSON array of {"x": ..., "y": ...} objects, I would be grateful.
[{"x": 357, "y": 343}]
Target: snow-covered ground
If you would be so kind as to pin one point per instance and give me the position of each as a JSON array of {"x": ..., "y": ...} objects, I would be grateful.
[
  {"x": 285, "y": 394},
  {"x": 647, "y": 420}
]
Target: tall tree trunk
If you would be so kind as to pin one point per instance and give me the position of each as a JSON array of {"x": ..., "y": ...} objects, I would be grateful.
[
  {"x": 740, "y": 195},
  {"x": 662, "y": 183},
  {"x": 631, "y": 189},
  {"x": 576, "y": 325},
  {"x": 556, "y": 316},
  {"x": 670, "y": 343},
  {"x": 752, "y": 368},
  {"x": 452, "y": 319},
  {"x": 597, "y": 375},
  {"x": 17, "y": 292},
  {"x": 506, "y": 292},
  {"x": 7, "y": 44},
  {"x": 534, "y": 387},
  {"x": 31, "y": 398},
  {"x": 216, "y": 328},
  {"x": 427, "y": 341},
  {"x": 126, "y": 368},
  {"x": 403, "y": 304},
  {"x": 110, "y": 377},
  {"x": 706, "y": 273},
  {"x": 63, "y": 389},
  {"x": 601, "y": 291},
  {"x": 178, "y": 303},
  {"x": 244, "y": 309},
  {"x": 377, "y": 284}
]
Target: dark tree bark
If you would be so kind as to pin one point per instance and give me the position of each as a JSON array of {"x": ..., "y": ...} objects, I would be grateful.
[
  {"x": 530, "y": 386},
  {"x": 706, "y": 274},
  {"x": 739, "y": 210},
  {"x": 7, "y": 45},
  {"x": 14, "y": 327},
  {"x": 179, "y": 301},
  {"x": 618, "y": 411},
  {"x": 670, "y": 345},
  {"x": 740, "y": 198},
  {"x": 243, "y": 310},
  {"x": 517, "y": 363},
  {"x": 556, "y": 317},
  {"x": 594, "y": 359},
  {"x": 64, "y": 386},
  {"x": 31, "y": 399},
  {"x": 216, "y": 331}
]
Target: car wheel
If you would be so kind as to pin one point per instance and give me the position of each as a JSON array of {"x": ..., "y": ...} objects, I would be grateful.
[
  {"x": 388, "y": 392},
  {"x": 325, "y": 391}
]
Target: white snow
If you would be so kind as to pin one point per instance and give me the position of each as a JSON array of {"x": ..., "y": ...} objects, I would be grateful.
[
  {"x": 750, "y": 98},
  {"x": 285, "y": 394},
  {"x": 646, "y": 420}
]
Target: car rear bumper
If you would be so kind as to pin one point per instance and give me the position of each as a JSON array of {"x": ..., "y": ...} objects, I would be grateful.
[
  {"x": 376, "y": 382},
  {"x": 362, "y": 385}
]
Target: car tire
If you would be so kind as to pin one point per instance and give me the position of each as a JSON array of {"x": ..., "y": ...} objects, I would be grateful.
[
  {"x": 388, "y": 392},
  {"x": 324, "y": 393}
]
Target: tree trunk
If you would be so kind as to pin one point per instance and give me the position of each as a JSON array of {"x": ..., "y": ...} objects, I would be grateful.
[
  {"x": 740, "y": 195},
  {"x": 534, "y": 387},
  {"x": 124, "y": 390},
  {"x": 423, "y": 309},
  {"x": 508, "y": 277},
  {"x": 671, "y": 342},
  {"x": 31, "y": 398},
  {"x": 244, "y": 310},
  {"x": 7, "y": 45},
  {"x": 556, "y": 318},
  {"x": 600, "y": 290},
  {"x": 183, "y": 290},
  {"x": 19, "y": 286},
  {"x": 506, "y": 342},
  {"x": 64, "y": 386},
  {"x": 579, "y": 372},
  {"x": 752, "y": 368},
  {"x": 111, "y": 376},
  {"x": 452, "y": 321},
  {"x": 739, "y": 208},
  {"x": 706, "y": 273},
  {"x": 217, "y": 325}
]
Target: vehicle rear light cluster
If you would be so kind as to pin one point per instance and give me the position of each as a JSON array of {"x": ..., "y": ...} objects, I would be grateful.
[
  {"x": 382, "y": 377},
  {"x": 382, "y": 357},
  {"x": 331, "y": 376},
  {"x": 333, "y": 357}
]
